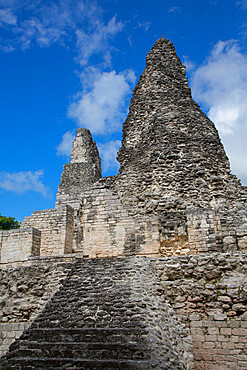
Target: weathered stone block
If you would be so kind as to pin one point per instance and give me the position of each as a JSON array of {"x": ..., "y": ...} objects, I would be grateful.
[{"x": 19, "y": 244}]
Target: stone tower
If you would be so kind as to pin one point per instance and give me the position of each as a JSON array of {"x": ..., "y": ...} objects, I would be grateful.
[
  {"x": 83, "y": 170},
  {"x": 168, "y": 142},
  {"x": 172, "y": 162},
  {"x": 79, "y": 175}
]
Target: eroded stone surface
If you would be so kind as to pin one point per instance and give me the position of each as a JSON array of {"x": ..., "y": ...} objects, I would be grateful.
[
  {"x": 83, "y": 170},
  {"x": 113, "y": 310},
  {"x": 24, "y": 292},
  {"x": 175, "y": 197},
  {"x": 209, "y": 294},
  {"x": 172, "y": 163}
]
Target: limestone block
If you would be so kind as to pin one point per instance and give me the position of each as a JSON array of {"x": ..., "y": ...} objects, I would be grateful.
[
  {"x": 19, "y": 244},
  {"x": 56, "y": 226}
]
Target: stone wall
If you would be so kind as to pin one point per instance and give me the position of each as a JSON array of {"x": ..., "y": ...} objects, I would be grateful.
[
  {"x": 209, "y": 294},
  {"x": 19, "y": 244},
  {"x": 120, "y": 296},
  {"x": 108, "y": 229},
  {"x": 56, "y": 226},
  {"x": 24, "y": 291},
  {"x": 207, "y": 231}
]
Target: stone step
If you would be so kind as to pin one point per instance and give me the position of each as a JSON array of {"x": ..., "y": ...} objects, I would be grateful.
[
  {"x": 83, "y": 317},
  {"x": 83, "y": 335},
  {"x": 89, "y": 322},
  {"x": 26, "y": 363},
  {"x": 81, "y": 350}
]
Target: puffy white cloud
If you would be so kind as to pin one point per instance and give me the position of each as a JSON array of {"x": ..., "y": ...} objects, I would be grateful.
[
  {"x": 102, "y": 105},
  {"x": 64, "y": 148},
  {"x": 108, "y": 153},
  {"x": 21, "y": 182},
  {"x": 220, "y": 85}
]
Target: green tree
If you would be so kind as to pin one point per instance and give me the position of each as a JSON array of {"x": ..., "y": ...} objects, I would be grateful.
[{"x": 8, "y": 223}]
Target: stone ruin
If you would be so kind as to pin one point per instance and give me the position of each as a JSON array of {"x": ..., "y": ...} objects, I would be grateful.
[{"x": 174, "y": 212}]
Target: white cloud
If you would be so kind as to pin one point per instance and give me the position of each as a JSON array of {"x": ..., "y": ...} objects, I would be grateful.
[
  {"x": 34, "y": 30},
  {"x": 21, "y": 182},
  {"x": 108, "y": 153},
  {"x": 34, "y": 22},
  {"x": 102, "y": 105},
  {"x": 64, "y": 148},
  {"x": 96, "y": 41},
  {"x": 239, "y": 163},
  {"x": 220, "y": 85},
  {"x": 45, "y": 23},
  {"x": 7, "y": 17},
  {"x": 143, "y": 24},
  {"x": 189, "y": 64}
]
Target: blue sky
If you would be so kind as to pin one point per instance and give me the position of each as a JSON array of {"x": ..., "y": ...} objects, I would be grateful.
[{"x": 73, "y": 63}]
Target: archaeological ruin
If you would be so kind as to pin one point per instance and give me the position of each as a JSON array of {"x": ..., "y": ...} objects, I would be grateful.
[{"x": 142, "y": 270}]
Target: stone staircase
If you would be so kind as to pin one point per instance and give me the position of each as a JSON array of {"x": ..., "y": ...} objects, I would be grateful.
[
  {"x": 94, "y": 348},
  {"x": 96, "y": 321}
]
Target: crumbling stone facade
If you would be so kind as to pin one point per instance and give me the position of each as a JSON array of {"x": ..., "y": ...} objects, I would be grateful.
[
  {"x": 173, "y": 165},
  {"x": 174, "y": 193},
  {"x": 113, "y": 317},
  {"x": 175, "y": 215}
]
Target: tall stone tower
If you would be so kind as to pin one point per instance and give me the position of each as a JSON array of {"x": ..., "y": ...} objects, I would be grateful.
[
  {"x": 78, "y": 176},
  {"x": 168, "y": 142},
  {"x": 172, "y": 162}
]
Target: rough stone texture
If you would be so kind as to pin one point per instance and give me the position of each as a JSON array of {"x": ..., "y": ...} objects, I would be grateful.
[
  {"x": 108, "y": 229},
  {"x": 107, "y": 314},
  {"x": 56, "y": 226},
  {"x": 19, "y": 244},
  {"x": 172, "y": 159},
  {"x": 168, "y": 142},
  {"x": 24, "y": 291},
  {"x": 82, "y": 172},
  {"x": 209, "y": 294},
  {"x": 175, "y": 197},
  {"x": 79, "y": 175}
]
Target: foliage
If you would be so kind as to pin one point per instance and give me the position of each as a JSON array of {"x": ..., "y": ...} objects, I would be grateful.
[{"x": 8, "y": 223}]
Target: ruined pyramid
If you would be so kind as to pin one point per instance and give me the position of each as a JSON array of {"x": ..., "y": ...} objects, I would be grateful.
[
  {"x": 173, "y": 226},
  {"x": 173, "y": 167},
  {"x": 174, "y": 193}
]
